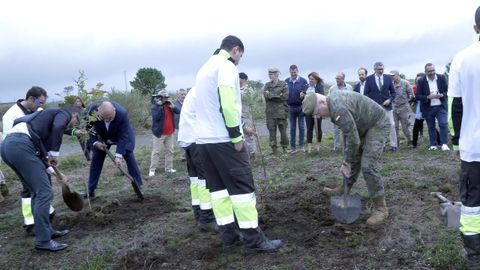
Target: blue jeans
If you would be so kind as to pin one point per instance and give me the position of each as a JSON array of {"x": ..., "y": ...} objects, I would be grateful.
[
  {"x": 295, "y": 113},
  {"x": 439, "y": 113}
]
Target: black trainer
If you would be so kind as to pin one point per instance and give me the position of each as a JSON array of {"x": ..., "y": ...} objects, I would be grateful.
[
  {"x": 51, "y": 246},
  {"x": 265, "y": 246},
  {"x": 91, "y": 194}
]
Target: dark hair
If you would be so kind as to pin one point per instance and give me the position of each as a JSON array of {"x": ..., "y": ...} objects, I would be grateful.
[
  {"x": 36, "y": 91},
  {"x": 428, "y": 65},
  {"x": 316, "y": 77},
  {"x": 293, "y": 67},
  {"x": 243, "y": 76},
  {"x": 72, "y": 109},
  {"x": 366, "y": 71},
  {"x": 230, "y": 42},
  {"x": 420, "y": 74},
  {"x": 477, "y": 17},
  {"x": 81, "y": 101}
]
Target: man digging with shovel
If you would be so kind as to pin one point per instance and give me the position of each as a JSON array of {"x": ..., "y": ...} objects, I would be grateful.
[{"x": 365, "y": 126}]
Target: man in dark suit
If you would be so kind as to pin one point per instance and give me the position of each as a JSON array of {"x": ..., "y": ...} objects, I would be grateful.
[
  {"x": 432, "y": 92},
  {"x": 30, "y": 148},
  {"x": 379, "y": 87},
  {"x": 362, "y": 76},
  {"x": 112, "y": 127}
]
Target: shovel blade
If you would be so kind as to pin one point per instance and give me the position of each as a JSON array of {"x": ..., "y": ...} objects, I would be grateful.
[
  {"x": 72, "y": 199},
  {"x": 346, "y": 208}
]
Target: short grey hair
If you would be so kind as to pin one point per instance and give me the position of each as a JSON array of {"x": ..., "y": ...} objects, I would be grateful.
[{"x": 377, "y": 64}]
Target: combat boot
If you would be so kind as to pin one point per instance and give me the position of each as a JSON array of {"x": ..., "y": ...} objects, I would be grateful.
[
  {"x": 336, "y": 191},
  {"x": 379, "y": 212},
  {"x": 471, "y": 244}
]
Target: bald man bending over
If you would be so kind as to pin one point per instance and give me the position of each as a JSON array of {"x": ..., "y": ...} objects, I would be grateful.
[{"x": 112, "y": 127}]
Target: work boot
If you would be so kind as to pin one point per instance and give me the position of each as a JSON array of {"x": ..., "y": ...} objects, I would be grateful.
[
  {"x": 196, "y": 212},
  {"x": 274, "y": 151},
  {"x": 4, "y": 190},
  {"x": 379, "y": 212},
  {"x": 208, "y": 227},
  {"x": 471, "y": 245},
  {"x": 265, "y": 246},
  {"x": 336, "y": 191}
]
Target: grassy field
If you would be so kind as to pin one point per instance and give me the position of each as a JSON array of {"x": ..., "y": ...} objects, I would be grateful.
[{"x": 115, "y": 232}]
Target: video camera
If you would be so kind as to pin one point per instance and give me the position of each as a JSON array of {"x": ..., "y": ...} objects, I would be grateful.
[{"x": 156, "y": 99}]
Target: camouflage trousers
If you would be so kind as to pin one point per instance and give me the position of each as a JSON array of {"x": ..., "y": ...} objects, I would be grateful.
[
  {"x": 368, "y": 157},
  {"x": 272, "y": 125},
  {"x": 401, "y": 115}
]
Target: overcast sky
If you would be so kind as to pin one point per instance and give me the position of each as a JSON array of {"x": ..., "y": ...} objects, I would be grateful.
[{"x": 46, "y": 43}]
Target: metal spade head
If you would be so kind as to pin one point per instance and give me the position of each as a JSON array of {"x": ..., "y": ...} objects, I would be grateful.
[
  {"x": 345, "y": 208},
  {"x": 72, "y": 199}
]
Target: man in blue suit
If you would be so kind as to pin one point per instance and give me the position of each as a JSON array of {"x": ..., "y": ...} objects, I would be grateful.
[
  {"x": 112, "y": 127},
  {"x": 432, "y": 92},
  {"x": 379, "y": 87}
]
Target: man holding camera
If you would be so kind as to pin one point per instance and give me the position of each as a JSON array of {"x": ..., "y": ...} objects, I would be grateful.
[{"x": 163, "y": 130}]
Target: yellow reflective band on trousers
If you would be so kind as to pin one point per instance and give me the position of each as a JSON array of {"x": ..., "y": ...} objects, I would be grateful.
[
  {"x": 194, "y": 190},
  {"x": 27, "y": 211},
  {"x": 222, "y": 207},
  {"x": 244, "y": 206},
  {"x": 204, "y": 195},
  {"x": 469, "y": 220}
]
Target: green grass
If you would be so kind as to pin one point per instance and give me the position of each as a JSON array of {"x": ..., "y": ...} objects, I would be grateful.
[{"x": 445, "y": 252}]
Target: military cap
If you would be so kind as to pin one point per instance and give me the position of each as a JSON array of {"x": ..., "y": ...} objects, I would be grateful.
[
  {"x": 309, "y": 103},
  {"x": 273, "y": 70}
]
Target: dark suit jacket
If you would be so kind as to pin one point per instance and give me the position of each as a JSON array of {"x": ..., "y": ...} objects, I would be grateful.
[
  {"x": 423, "y": 90},
  {"x": 387, "y": 91},
  {"x": 357, "y": 88},
  {"x": 120, "y": 131}
]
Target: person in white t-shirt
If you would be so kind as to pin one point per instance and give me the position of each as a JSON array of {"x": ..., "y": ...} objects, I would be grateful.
[{"x": 463, "y": 97}]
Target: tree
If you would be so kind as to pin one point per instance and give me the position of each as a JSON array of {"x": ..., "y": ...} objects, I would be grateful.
[{"x": 148, "y": 81}]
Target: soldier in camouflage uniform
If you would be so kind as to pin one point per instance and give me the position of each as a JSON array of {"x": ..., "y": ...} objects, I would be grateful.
[
  {"x": 401, "y": 108},
  {"x": 364, "y": 125},
  {"x": 276, "y": 109},
  {"x": 247, "y": 117}
]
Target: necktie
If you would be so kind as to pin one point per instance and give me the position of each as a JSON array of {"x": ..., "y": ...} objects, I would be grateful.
[{"x": 380, "y": 85}]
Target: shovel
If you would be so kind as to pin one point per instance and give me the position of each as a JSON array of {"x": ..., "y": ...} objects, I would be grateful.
[
  {"x": 345, "y": 208},
  {"x": 132, "y": 181},
  {"x": 71, "y": 198},
  {"x": 449, "y": 211}
]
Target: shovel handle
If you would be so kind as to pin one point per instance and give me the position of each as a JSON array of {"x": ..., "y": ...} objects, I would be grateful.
[
  {"x": 440, "y": 197},
  {"x": 58, "y": 175}
]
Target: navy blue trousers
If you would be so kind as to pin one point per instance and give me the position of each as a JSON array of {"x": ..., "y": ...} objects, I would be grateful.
[{"x": 98, "y": 157}]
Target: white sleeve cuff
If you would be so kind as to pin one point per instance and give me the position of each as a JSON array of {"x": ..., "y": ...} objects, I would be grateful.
[
  {"x": 117, "y": 155},
  {"x": 54, "y": 153}
]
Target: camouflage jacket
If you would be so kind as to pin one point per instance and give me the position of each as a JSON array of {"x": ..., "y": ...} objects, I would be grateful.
[
  {"x": 354, "y": 114},
  {"x": 403, "y": 93},
  {"x": 276, "y": 100}
]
